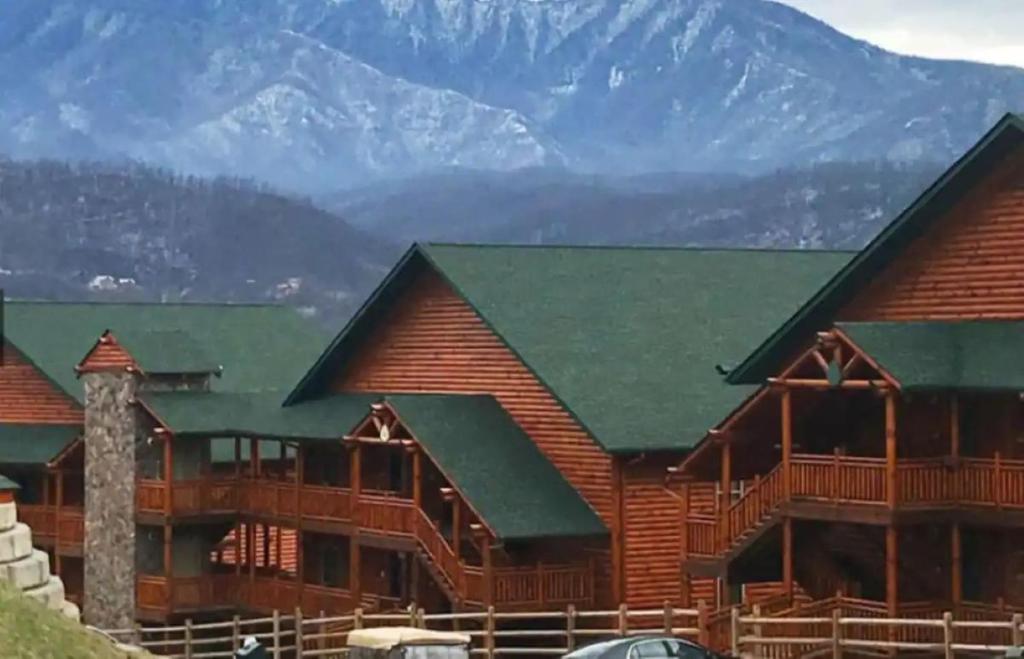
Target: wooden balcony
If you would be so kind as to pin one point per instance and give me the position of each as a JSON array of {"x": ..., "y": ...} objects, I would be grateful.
[
  {"x": 159, "y": 597},
  {"x": 851, "y": 482},
  {"x": 63, "y": 528}
]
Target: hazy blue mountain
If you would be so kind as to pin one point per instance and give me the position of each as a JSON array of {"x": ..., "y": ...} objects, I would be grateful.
[{"x": 319, "y": 94}]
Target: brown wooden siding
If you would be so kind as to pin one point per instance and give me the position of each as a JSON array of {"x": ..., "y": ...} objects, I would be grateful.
[
  {"x": 653, "y": 525},
  {"x": 27, "y": 396},
  {"x": 969, "y": 265},
  {"x": 107, "y": 355},
  {"x": 433, "y": 341}
]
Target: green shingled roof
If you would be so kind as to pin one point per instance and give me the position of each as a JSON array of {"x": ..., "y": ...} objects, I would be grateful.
[
  {"x": 821, "y": 308},
  {"x": 212, "y": 414},
  {"x": 162, "y": 351},
  {"x": 627, "y": 338},
  {"x": 968, "y": 355},
  {"x": 27, "y": 443},
  {"x": 261, "y": 347},
  {"x": 500, "y": 471}
]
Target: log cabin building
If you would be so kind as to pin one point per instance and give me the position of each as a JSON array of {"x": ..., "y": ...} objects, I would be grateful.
[{"x": 528, "y": 428}]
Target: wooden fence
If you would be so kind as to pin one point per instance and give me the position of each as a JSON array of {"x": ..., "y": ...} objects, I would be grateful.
[{"x": 850, "y": 628}]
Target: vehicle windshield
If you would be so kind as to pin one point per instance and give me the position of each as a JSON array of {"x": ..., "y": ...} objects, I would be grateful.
[{"x": 435, "y": 652}]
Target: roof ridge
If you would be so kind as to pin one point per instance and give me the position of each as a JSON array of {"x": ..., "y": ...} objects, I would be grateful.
[
  {"x": 103, "y": 303},
  {"x": 653, "y": 248}
]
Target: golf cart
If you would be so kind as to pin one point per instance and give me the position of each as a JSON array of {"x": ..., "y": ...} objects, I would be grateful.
[{"x": 406, "y": 643}]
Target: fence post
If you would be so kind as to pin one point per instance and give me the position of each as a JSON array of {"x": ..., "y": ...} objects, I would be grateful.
[
  {"x": 357, "y": 621},
  {"x": 322, "y": 632},
  {"x": 570, "y": 628},
  {"x": 188, "y": 638},
  {"x": 489, "y": 635},
  {"x": 758, "y": 648},
  {"x": 137, "y": 633},
  {"x": 1018, "y": 620},
  {"x": 666, "y": 617},
  {"x": 947, "y": 634},
  {"x": 299, "y": 649},
  {"x": 421, "y": 614},
  {"x": 734, "y": 630},
  {"x": 837, "y": 636},
  {"x": 702, "y": 623},
  {"x": 277, "y": 634},
  {"x": 236, "y": 633}
]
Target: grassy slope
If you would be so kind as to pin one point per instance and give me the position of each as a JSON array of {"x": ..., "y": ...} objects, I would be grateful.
[{"x": 30, "y": 631}]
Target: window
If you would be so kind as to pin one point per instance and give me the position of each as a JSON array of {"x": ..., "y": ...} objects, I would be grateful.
[{"x": 663, "y": 648}]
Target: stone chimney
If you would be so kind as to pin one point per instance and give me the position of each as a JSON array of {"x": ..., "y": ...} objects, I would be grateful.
[{"x": 110, "y": 435}]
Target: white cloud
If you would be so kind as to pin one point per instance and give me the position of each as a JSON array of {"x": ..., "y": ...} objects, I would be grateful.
[{"x": 981, "y": 30}]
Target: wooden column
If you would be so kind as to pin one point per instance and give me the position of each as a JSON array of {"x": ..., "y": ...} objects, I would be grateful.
[
  {"x": 254, "y": 457},
  {"x": 238, "y": 458},
  {"x": 168, "y": 473},
  {"x": 56, "y": 521},
  {"x": 787, "y": 444},
  {"x": 457, "y": 526},
  {"x": 956, "y": 564},
  {"x": 300, "y": 469},
  {"x": 954, "y": 426},
  {"x": 787, "y": 557},
  {"x": 355, "y": 580},
  {"x": 891, "y": 570},
  {"x": 238, "y": 547},
  {"x": 250, "y": 550},
  {"x": 169, "y": 563},
  {"x": 890, "y": 449},
  {"x": 725, "y": 496},
  {"x": 684, "y": 548},
  {"x": 417, "y": 478},
  {"x": 484, "y": 540}
]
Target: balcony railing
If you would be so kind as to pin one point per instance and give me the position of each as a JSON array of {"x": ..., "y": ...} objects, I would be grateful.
[
  {"x": 846, "y": 480},
  {"x": 64, "y": 528}
]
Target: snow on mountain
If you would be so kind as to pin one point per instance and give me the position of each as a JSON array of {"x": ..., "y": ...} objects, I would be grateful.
[{"x": 312, "y": 94}]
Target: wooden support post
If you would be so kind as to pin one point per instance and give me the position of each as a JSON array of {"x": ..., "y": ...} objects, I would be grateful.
[
  {"x": 250, "y": 550},
  {"x": 168, "y": 473},
  {"x": 570, "y": 628},
  {"x": 322, "y": 633},
  {"x": 667, "y": 614},
  {"x": 300, "y": 476},
  {"x": 238, "y": 458},
  {"x": 954, "y": 426},
  {"x": 837, "y": 636},
  {"x": 703, "y": 630},
  {"x": 1017, "y": 634},
  {"x": 56, "y": 530},
  {"x": 489, "y": 632},
  {"x": 891, "y": 571},
  {"x": 890, "y": 449},
  {"x": 457, "y": 526},
  {"x": 758, "y": 630},
  {"x": 355, "y": 477},
  {"x": 787, "y": 557},
  {"x": 277, "y": 634},
  {"x": 238, "y": 547},
  {"x": 485, "y": 551},
  {"x": 298, "y": 632},
  {"x": 266, "y": 544},
  {"x": 188, "y": 638},
  {"x": 417, "y": 478},
  {"x": 997, "y": 483},
  {"x": 623, "y": 620},
  {"x": 236, "y": 633},
  {"x": 734, "y": 630},
  {"x": 355, "y": 570},
  {"x": 725, "y": 499},
  {"x": 684, "y": 547},
  {"x": 254, "y": 458},
  {"x": 956, "y": 564},
  {"x": 169, "y": 563},
  {"x": 947, "y": 635},
  {"x": 787, "y": 444}
]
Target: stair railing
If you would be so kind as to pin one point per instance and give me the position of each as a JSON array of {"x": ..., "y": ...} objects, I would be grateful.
[{"x": 749, "y": 510}]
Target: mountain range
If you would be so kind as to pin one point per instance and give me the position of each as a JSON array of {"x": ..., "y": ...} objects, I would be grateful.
[{"x": 317, "y": 95}]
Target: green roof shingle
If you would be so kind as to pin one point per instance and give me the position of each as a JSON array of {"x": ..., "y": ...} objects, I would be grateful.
[
  {"x": 167, "y": 351},
  {"x": 261, "y": 347},
  {"x": 628, "y": 339},
  {"x": 213, "y": 414},
  {"x": 35, "y": 444},
  {"x": 493, "y": 463},
  {"x": 964, "y": 355}
]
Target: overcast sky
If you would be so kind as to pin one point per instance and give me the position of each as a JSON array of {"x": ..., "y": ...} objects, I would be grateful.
[{"x": 982, "y": 30}]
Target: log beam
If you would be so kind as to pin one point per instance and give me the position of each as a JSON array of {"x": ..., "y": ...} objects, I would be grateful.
[{"x": 890, "y": 450}]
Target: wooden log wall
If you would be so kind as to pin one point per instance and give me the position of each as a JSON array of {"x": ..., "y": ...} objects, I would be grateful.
[
  {"x": 27, "y": 396},
  {"x": 969, "y": 265},
  {"x": 652, "y": 530},
  {"x": 433, "y": 341}
]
